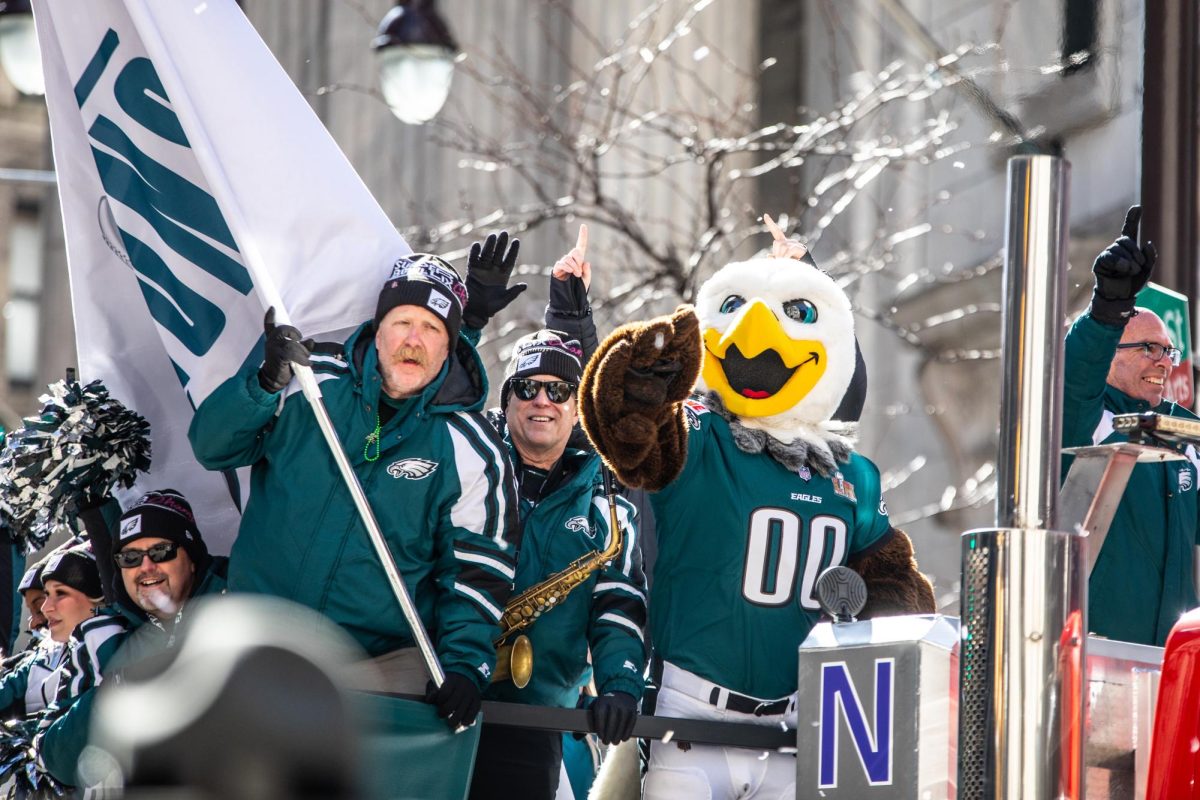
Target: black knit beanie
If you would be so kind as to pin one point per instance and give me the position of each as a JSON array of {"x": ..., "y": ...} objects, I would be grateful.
[
  {"x": 427, "y": 281},
  {"x": 543, "y": 352},
  {"x": 163, "y": 514},
  {"x": 32, "y": 579},
  {"x": 75, "y": 567}
]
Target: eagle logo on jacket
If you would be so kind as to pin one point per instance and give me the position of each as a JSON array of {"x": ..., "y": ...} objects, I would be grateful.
[
  {"x": 580, "y": 523},
  {"x": 412, "y": 468}
]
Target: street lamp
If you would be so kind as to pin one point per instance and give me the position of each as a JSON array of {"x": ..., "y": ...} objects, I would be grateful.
[
  {"x": 416, "y": 60},
  {"x": 19, "y": 54}
]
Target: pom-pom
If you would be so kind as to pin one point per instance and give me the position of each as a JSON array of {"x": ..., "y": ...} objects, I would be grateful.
[
  {"x": 82, "y": 445},
  {"x": 20, "y": 771}
]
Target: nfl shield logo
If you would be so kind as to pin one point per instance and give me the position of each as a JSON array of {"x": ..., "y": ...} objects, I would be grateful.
[{"x": 805, "y": 473}]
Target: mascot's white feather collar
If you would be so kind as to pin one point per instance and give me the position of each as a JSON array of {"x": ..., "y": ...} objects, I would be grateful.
[{"x": 779, "y": 347}]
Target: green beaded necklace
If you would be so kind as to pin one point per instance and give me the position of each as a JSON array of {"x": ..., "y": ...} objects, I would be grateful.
[{"x": 372, "y": 439}]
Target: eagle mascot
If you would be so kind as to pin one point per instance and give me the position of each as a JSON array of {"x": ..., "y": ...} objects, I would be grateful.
[{"x": 732, "y": 415}]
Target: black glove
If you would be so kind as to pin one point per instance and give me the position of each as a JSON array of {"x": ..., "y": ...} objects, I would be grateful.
[
  {"x": 1121, "y": 271},
  {"x": 568, "y": 298},
  {"x": 613, "y": 716},
  {"x": 458, "y": 700},
  {"x": 488, "y": 270},
  {"x": 283, "y": 346},
  {"x": 570, "y": 313}
]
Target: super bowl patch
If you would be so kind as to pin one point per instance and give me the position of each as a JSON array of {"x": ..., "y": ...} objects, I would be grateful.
[
  {"x": 844, "y": 487},
  {"x": 692, "y": 410}
]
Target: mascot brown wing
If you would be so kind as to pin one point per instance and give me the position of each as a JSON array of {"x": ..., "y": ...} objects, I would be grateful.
[
  {"x": 631, "y": 395},
  {"x": 894, "y": 585}
]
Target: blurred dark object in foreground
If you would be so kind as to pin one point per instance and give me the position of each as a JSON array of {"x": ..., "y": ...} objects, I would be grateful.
[{"x": 246, "y": 706}]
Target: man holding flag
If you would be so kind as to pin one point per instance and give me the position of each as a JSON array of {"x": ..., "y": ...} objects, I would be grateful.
[
  {"x": 199, "y": 189},
  {"x": 404, "y": 392}
]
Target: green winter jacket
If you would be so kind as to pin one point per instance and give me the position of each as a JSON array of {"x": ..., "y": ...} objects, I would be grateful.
[
  {"x": 1143, "y": 579},
  {"x": 442, "y": 489},
  {"x": 607, "y": 612}
]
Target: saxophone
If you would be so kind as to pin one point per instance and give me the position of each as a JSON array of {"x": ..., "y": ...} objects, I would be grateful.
[{"x": 514, "y": 660}]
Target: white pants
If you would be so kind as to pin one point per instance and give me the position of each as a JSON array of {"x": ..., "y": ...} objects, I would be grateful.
[{"x": 708, "y": 772}]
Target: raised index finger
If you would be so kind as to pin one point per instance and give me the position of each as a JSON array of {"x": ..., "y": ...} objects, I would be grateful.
[
  {"x": 581, "y": 242},
  {"x": 776, "y": 232},
  {"x": 1133, "y": 220}
]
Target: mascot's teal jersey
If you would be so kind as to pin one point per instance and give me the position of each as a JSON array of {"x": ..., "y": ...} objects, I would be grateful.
[{"x": 741, "y": 541}]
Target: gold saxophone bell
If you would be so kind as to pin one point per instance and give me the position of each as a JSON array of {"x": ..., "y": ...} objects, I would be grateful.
[
  {"x": 521, "y": 661},
  {"x": 514, "y": 662}
]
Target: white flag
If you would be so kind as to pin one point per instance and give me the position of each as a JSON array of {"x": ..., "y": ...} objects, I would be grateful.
[{"x": 197, "y": 188}]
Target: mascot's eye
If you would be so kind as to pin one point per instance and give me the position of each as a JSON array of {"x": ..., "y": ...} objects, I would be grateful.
[
  {"x": 734, "y": 302},
  {"x": 800, "y": 311}
]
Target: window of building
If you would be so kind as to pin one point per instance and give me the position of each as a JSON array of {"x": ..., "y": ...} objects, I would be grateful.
[
  {"x": 23, "y": 309},
  {"x": 1080, "y": 21}
]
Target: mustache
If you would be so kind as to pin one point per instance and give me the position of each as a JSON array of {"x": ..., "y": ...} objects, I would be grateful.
[{"x": 409, "y": 353}]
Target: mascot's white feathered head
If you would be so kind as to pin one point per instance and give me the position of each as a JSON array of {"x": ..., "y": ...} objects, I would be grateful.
[{"x": 779, "y": 346}]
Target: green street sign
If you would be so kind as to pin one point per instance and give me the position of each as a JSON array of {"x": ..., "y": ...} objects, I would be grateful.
[{"x": 1173, "y": 308}]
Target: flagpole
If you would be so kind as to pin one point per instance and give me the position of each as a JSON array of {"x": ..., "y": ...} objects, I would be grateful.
[{"x": 269, "y": 293}]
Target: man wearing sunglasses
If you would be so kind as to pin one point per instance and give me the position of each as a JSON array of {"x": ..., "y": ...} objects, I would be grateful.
[
  {"x": 565, "y": 516},
  {"x": 152, "y": 563},
  {"x": 158, "y": 551},
  {"x": 1118, "y": 361}
]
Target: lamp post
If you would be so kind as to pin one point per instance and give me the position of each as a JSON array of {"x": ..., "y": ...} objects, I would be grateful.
[
  {"x": 19, "y": 54},
  {"x": 416, "y": 60}
]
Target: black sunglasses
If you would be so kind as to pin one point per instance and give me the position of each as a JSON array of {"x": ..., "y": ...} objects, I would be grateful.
[
  {"x": 558, "y": 391},
  {"x": 163, "y": 551}
]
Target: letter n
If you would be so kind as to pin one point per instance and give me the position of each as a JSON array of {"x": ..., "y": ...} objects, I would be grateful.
[{"x": 874, "y": 748}]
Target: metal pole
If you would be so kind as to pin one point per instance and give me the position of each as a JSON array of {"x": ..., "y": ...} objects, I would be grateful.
[
  {"x": 44, "y": 176},
  {"x": 312, "y": 392},
  {"x": 1035, "y": 277},
  {"x": 1024, "y": 586}
]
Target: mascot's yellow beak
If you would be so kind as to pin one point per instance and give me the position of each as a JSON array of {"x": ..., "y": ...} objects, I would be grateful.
[{"x": 756, "y": 368}]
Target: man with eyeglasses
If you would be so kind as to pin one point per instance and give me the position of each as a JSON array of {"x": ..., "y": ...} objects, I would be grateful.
[
  {"x": 1118, "y": 359},
  {"x": 565, "y": 516}
]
